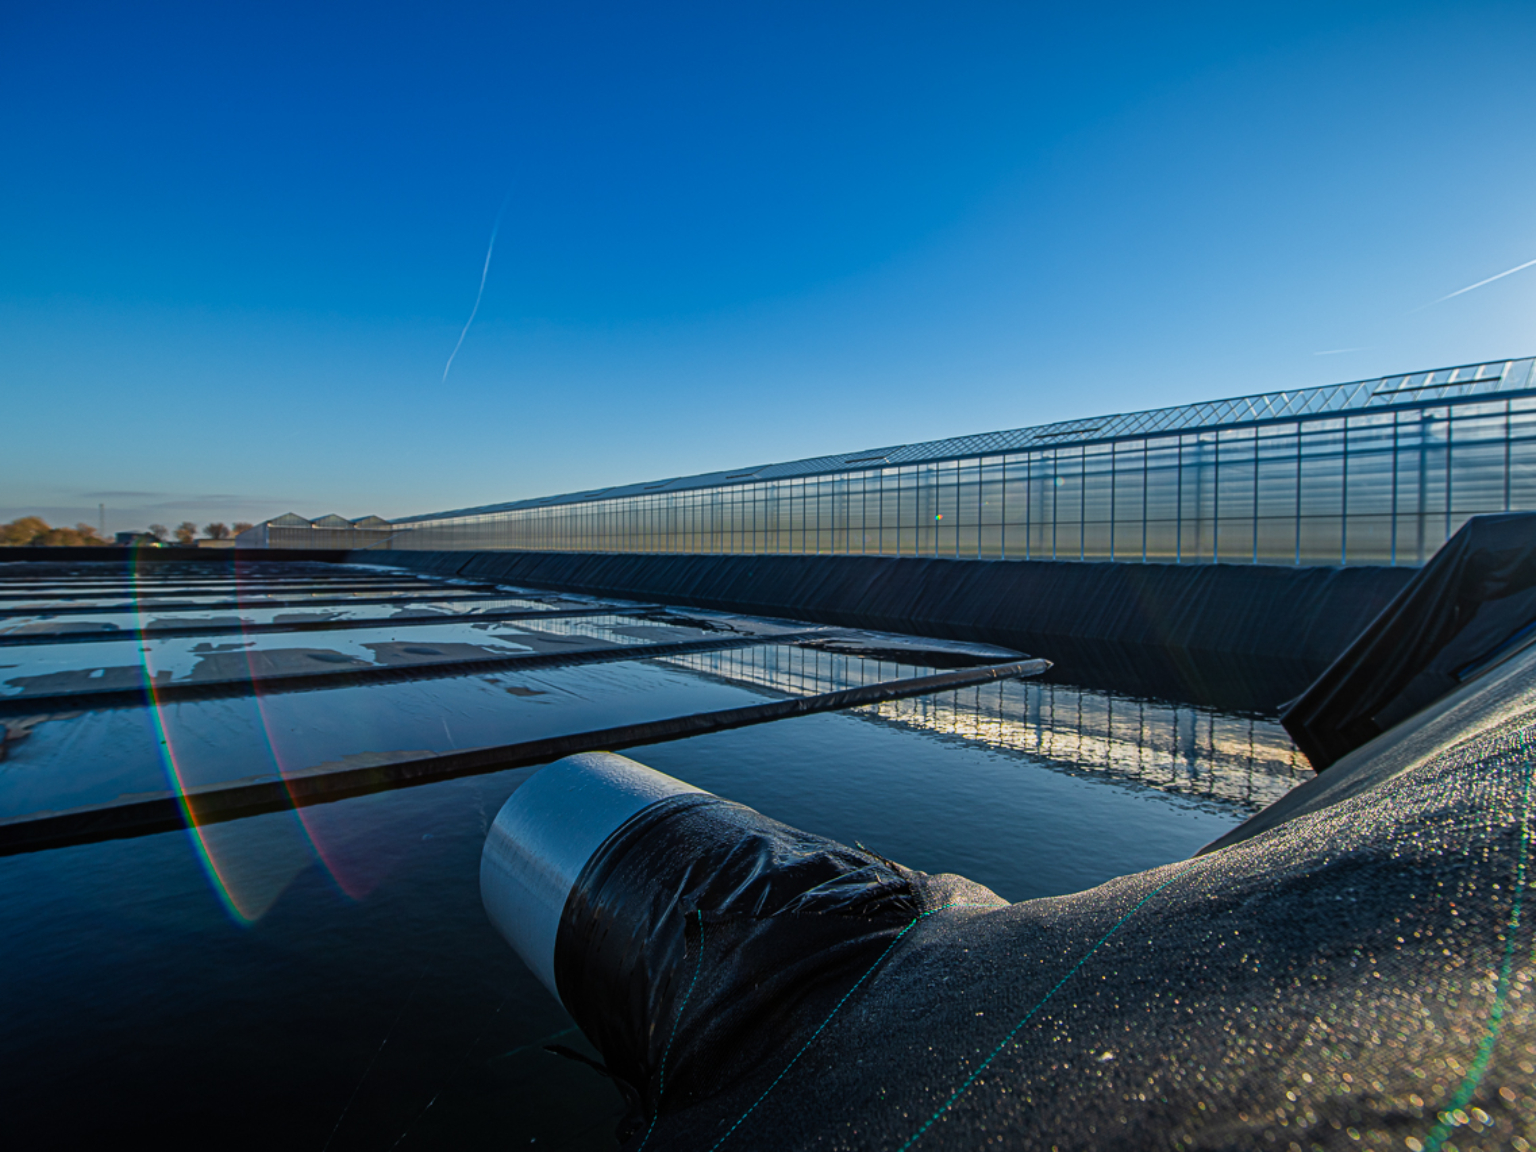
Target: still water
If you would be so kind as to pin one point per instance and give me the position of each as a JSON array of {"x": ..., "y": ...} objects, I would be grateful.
[{"x": 332, "y": 982}]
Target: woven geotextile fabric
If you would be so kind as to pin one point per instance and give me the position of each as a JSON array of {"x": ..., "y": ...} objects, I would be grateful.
[{"x": 1360, "y": 977}]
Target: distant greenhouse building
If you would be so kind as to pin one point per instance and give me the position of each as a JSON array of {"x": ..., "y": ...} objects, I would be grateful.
[
  {"x": 1376, "y": 471},
  {"x": 293, "y": 531}
]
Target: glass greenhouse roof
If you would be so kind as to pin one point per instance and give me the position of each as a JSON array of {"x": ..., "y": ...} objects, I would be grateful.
[{"x": 1383, "y": 393}]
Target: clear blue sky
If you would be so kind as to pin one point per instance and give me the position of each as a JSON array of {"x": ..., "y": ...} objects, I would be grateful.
[{"x": 237, "y": 247}]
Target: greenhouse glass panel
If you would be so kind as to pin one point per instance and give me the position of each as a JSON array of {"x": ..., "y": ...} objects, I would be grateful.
[{"x": 1375, "y": 471}]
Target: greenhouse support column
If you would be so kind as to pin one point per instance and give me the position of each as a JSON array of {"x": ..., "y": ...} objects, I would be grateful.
[
  {"x": 1082, "y": 503},
  {"x": 1298, "y": 492},
  {"x": 981, "y": 488},
  {"x": 933, "y": 503},
  {"x": 863, "y": 513},
  {"x": 1113, "y": 485},
  {"x": 1146, "y": 458},
  {"x": 881, "y": 501},
  {"x": 1450, "y": 433},
  {"x": 1029, "y": 492},
  {"x": 1055, "y": 499},
  {"x": 1344, "y": 497},
  {"x": 1216, "y": 500},
  {"x": 1508, "y": 431},
  {"x": 1395, "y": 423},
  {"x": 1255, "y": 493},
  {"x": 1178, "y": 504},
  {"x": 825, "y": 506},
  {"x": 926, "y": 518},
  {"x": 806, "y": 544},
  {"x": 1002, "y": 499}
]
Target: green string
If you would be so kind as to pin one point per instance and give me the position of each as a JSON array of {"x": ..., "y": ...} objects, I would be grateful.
[
  {"x": 1479, "y": 1067},
  {"x": 1008, "y": 1039},
  {"x": 661, "y": 1074},
  {"x": 796, "y": 1058}
]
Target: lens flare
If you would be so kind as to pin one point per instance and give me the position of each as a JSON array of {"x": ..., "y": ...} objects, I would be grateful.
[
  {"x": 239, "y": 913},
  {"x": 354, "y": 887},
  {"x": 245, "y": 893}
]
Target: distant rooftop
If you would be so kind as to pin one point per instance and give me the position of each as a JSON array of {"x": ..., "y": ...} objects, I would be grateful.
[{"x": 1380, "y": 393}]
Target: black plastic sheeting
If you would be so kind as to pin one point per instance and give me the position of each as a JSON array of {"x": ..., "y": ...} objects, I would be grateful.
[
  {"x": 1356, "y": 977},
  {"x": 1474, "y": 599},
  {"x": 788, "y": 919},
  {"x": 1240, "y": 637}
]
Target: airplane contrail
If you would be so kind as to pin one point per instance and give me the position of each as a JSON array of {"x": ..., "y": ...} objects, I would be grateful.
[
  {"x": 1490, "y": 280},
  {"x": 484, "y": 272}
]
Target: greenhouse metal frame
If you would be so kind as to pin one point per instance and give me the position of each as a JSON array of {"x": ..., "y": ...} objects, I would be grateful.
[{"x": 1378, "y": 471}]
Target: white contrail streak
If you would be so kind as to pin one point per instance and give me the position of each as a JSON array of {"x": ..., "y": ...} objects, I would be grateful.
[
  {"x": 1490, "y": 280},
  {"x": 484, "y": 272}
]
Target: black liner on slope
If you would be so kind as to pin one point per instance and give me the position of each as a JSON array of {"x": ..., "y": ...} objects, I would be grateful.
[{"x": 1464, "y": 609}]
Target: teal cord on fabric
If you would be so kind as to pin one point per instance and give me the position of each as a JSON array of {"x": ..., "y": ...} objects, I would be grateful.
[
  {"x": 795, "y": 1059},
  {"x": 661, "y": 1074},
  {"x": 1008, "y": 1039},
  {"x": 1449, "y": 1120}
]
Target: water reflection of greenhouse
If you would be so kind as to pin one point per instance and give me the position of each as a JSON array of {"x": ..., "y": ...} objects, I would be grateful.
[
  {"x": 1193, "y": 751},
  {"x": 1378, "y": 471}
]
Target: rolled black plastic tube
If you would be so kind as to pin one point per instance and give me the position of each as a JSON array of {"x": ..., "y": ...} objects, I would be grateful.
[{"x": 606, "y": 876}]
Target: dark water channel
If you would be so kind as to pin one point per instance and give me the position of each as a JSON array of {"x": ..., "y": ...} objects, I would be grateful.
[{"x": 331, "y": 981}]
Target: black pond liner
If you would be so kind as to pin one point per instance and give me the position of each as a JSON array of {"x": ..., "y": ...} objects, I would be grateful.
[
  {"x": 175, "y": 691},
  {"x": 434, "y": 595},
  {"x": 143, "y": 815},
  {"x": 1356, "y": 974},
  {"x": 343, "y": 624},
  {"x": 1472, "y": 605},
  {"x": 1241, "y": 637}
]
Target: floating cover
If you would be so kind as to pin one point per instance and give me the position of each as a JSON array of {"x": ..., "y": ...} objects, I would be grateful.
[
  {"x": 1461, "y": 610},
  {"x": 1360, "y": 975}
]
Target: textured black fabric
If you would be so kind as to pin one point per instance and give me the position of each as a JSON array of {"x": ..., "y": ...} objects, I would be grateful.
[
  {"x": 1362, "y": 975},
  {"x": 1476, "y": 593},
  {"x": 1241, "y": 637},
  {"x": 787, "y": 920}
]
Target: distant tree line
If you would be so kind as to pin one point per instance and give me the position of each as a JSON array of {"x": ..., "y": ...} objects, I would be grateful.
[{"x": 35, "y": 532}]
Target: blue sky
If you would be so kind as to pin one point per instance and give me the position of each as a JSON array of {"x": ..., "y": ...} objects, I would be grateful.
[{"x": 238, "y": 246}]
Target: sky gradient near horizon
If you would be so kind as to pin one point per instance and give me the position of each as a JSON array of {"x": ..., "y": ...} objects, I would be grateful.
[{"x": 240, "y": 245}]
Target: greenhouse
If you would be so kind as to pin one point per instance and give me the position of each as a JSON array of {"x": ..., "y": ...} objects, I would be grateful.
[
  {"x": 1378, "y": 471},
  {"x": 291, "y": 530}
]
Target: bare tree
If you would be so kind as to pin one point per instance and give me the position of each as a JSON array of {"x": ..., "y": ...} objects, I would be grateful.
[
  {"x": 186, "y": 532},
  {"x": 218, "y": 530},
  {"x": 159, "y": 532},
  {"x": 242, "y": 526}
]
